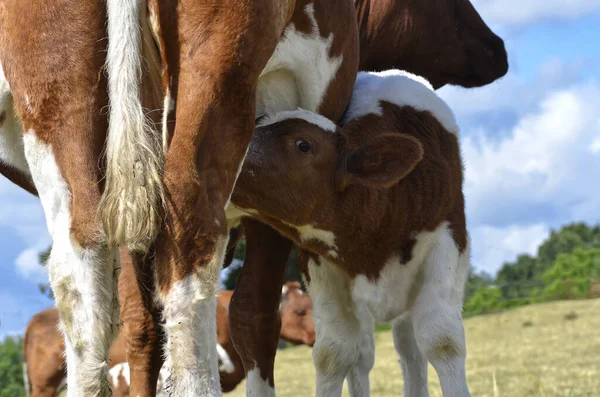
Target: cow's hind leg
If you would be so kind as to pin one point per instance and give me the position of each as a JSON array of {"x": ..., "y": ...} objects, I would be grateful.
[
  {"x": 83, "y": 271},
  {"x": 223, "y": 45},
  {"x": 437, "y": 313},
  {"x": 58, "y": 93}
]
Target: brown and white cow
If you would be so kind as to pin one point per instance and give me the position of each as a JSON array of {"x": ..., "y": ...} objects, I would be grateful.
[
  {"x": 379, "y": 204},
  {"x": 225, "y": 62},
  {"x": 43, "y": 347}
]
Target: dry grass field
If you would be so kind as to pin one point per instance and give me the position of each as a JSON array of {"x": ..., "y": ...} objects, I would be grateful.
[{"x": 546, "y": 350}]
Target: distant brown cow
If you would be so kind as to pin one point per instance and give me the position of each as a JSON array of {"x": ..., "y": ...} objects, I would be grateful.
[{"x": 43, "y": 346}]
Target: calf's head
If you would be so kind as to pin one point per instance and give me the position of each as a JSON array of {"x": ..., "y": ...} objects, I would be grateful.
[
  {"x": 296, "y": 315},
  {"x": 303, "y": 170}
]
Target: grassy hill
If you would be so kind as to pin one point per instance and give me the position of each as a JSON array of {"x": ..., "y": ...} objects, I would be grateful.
[{"x": 546, "y": 350}]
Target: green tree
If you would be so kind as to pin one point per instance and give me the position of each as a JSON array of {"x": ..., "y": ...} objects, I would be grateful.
[
  {"x": 570, "y": 275},
  {"x": 11, "y": 368}
]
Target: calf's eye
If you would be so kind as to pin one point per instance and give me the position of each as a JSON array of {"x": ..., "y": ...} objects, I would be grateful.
[{"x": 303, "y": 146}]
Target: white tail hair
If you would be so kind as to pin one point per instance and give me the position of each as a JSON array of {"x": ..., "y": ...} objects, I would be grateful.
[{"x": 132, "y": 205}]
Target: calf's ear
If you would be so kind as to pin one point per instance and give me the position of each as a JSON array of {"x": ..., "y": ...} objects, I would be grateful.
[{"x": 381, "y": 163}]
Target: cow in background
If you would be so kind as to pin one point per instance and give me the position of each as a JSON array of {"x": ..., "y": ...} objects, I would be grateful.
[{"x": 43, "y": 347}]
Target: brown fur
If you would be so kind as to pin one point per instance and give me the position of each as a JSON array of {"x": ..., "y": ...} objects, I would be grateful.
[{"x": 459, "y": 48}]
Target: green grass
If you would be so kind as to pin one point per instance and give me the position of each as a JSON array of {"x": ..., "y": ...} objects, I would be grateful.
[{"x": 556, "y": 355}]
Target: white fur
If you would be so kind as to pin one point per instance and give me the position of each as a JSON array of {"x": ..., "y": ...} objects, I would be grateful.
[
  {"x": 299, "y": 71},
  {"x": 401, "y": 88},
  {"x": 116, "y": 371},
  {"x": 190, "y": 311},
  {"x": 83, "y": 279},
  {"x": 12, "y": 152},
  {"x": 387, "y": 298},
  {"x": 339, "y": 337},
  {"x": 256, "y": 386},
  {"x": 26, "y": 381},
  {"x": 310, "y": 117},
  {"x": 309, "y": 232},
  {"x": 226, "y": 363},
  {"x": 412, "y": 361},
  {"x": 132, "y": 202},
  {"x": 358, "y": 377}
]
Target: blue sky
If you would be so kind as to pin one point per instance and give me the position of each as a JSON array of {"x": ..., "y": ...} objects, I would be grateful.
[{"x": 531, "y": 145}]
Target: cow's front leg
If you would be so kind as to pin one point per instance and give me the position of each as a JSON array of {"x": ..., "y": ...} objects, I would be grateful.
[
  {"x": 222, "y": 46},
  {"x": 255, "y": 321}
]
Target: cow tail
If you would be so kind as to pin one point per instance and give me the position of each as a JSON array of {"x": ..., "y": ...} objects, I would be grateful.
[{"x": 132, "y": 204}]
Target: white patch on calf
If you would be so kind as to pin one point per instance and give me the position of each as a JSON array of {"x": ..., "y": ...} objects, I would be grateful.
[
  {"x": 226, "y": 363},
  {"x": 299, "y": 71},
  {"x": 400, "y": 88},
  {"x": 388, "y": 296},
  {"x": 12, "y": 152},
  {"x": 310, "y": 117},
  {"x": 257, "y": 386},
  {"x": 81, "y": 279},
  {"x": 190, "y": 312},
  {"x": 309, "y": 232}
]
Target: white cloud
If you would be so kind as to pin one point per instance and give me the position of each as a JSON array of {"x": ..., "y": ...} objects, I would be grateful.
[
  {"x": 523, "y": 12},
  {"x": 544, "y": 165},
  {"x": 492, "y": 246},
  {"x": 22, "y": 214}
]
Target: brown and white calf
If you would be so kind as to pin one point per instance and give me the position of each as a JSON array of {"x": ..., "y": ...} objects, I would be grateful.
[
  {"x": 224, "y": 63},
  {"x": 378, "y": 204},
  {"x": 43, "y": 347}
]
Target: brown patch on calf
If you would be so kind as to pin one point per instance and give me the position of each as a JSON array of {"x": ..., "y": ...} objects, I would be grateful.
[{"x": 2, "y": 117}]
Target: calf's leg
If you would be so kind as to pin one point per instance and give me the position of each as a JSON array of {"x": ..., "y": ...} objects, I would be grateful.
[
  {"x": 412, "y": 361},
  {"x": 437, "y": 314},
  {"x": 358, "y": 377},
  {"x": 337, "y": 346},
  {"x": 254, "y": 318},
  {"x": 222, "y": 46}
]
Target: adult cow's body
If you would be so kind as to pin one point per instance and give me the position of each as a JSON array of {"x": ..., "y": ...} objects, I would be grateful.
[{"x": 214, "y": 54}]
